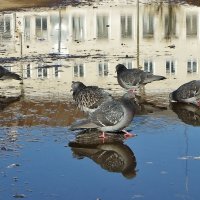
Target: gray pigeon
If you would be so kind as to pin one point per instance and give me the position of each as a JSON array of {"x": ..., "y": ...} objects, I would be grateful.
[
  {"x": 187, "y": 93},
  {"x": 133, "y": 78},
  {"x": 6, "y": 74},
  {"x": 111, "y": 116},
  {"x": 89, "y": 98}
]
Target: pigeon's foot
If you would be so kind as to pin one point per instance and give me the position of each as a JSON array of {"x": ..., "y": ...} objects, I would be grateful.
[
  {"x": 103, "y": 135},
  {"x": 128, "y": 135},
  {"x": 198, "y": 103}
]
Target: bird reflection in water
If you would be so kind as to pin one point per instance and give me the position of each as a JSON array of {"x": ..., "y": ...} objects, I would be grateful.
[
  {"x": 112, "y": 155},
  {"x": 187, "y": 113}
]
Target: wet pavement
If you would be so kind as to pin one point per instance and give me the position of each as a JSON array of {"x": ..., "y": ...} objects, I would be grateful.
[{"x": 51, "y": 45}]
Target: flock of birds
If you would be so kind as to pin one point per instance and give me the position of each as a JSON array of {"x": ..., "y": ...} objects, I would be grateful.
[{"x": 109, "y": 114}]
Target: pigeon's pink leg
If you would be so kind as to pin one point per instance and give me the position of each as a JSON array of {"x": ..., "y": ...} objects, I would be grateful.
[
  {"x": 102, "y": 135},
  {"x": 198, "y": 103},
  {"x": 128, "y": 135}
]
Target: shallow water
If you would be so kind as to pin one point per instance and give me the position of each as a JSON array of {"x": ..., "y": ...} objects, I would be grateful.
[{"x": 51, "y": 47}]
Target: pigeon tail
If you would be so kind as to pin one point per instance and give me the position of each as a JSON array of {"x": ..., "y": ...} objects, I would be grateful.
[
  {"x": 83, "y": 124},
  {"x": 151, "y": 78},
  {"x": 15, "y": 76},
  {"x": 11, "y": 76}
]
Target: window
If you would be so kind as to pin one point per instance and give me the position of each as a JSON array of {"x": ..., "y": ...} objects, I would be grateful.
[
  {"x": 128, "y": 64},
  {"x": 103, "y": 69},
  {"x": 148, "y": 66},
  {"x": 170, "y": 26},
  {"x": 27, "y": 28},
  {"x": 148, "y": 26},
  {"x": 27, "y": 71},
  {"x": 56, "y": 72},
  {"x": 191, "y": 25},
  {"x": 192, "y": 67},
  {"x": 79, "y": 70},
  {"x": 78, "y": 28},
  {"x": 126, "y": 26},
  {"x": 5, "y": 26},
  {"x": 102, "y": 27},
  {"x": 41, "y": 27},
  {"x": 42, "y": 72},
  {"x": 170, "y": 67}
]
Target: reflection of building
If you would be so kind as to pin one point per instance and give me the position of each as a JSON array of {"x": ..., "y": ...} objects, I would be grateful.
[{"x": 169, "y": 37}]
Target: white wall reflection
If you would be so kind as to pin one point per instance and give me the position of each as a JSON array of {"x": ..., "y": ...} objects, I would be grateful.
[{"x": 169, "y": 37}]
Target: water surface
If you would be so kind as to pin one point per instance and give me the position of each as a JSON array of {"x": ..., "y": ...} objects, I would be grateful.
[{"x": 51, "y": 47}]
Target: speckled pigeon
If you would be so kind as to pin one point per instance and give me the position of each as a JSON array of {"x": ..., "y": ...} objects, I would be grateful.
[
  {"x": 89, "y": 98},
  {"x": 187, "y": 93},
  {"x": 6, "y": 74},
  {"x": 133, "y": 78},
  {"x": 111, "y": 116},
  {"x": 112, "y": 156}
]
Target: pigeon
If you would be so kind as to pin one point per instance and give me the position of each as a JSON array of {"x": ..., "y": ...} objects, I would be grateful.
[
  {"x": 112, "y": 155},
  {"x": 131, "y": 79},
  {"x": 187, "y": 93},
  {"x": 187, "y": 113},
  {"x": 6, "y": 101},
  {"x": 111, "y": 116},
  {"x": 89, "y": 98},
  {"x": 6, "y": 74}
]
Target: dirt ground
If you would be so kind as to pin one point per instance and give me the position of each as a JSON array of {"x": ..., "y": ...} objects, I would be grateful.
[{"x": 19, "y": 4}]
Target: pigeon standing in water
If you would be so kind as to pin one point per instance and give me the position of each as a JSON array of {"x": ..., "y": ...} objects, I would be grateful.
[
  {"x": 131, "y": 79},
  {"x": 89, "y": 98},
  {"x": 6, "y": 74},
  {"x": 187, "y": 93},
  {"x": 111, "y": 116}
]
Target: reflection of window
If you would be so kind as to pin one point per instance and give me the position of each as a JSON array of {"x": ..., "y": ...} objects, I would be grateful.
[
  {"x": 170, "y": 26},
  {"x": 148, "y": 25},
  {"x": 41, "y": 27},
  {"x": 148, "y": 66},
  {"x": 27, "y": 71},
  {"x": 42, "y": 72},
  {"x": 191, "y": 66},
  {"x": 79, "y": 70},
  {"x": 78, "y": 28},
  {"x": 103, "y": 69},
  {"x": 126, "y": 26},
  {"x": 27, "y": 28},
  {"x": 56, "y": 72},
  {"x": 191, "y": 25},
  {"x": 128, "y": 64},
  {"x": 5, "y": 26},
  {"x": 102, "y": 27},
  {"x": 170, "y": 67},
  {"x": 8, "y": 68}
]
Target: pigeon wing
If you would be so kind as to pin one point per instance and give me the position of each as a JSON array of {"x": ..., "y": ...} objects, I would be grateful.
[
  {"x": 91, "y": 97},
  {"x": 131, "y": 77},
  {"x": 109, "y": 114},
  {"x": 188, "y": 90}
]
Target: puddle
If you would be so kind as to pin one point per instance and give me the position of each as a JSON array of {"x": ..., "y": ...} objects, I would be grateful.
[{"x": 54, "y": 43}]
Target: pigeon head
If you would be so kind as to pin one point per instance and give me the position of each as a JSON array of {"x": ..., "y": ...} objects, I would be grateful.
[
  {"x": 77, "y": 86},
  {"x": 172, "y": 97},
  {"x": 120, "y": 68}
]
